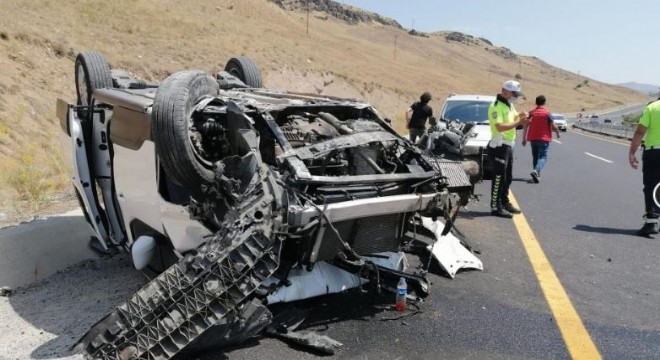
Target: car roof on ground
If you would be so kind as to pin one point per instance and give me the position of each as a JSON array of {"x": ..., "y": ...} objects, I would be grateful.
[{"x": 455, "y": 97}]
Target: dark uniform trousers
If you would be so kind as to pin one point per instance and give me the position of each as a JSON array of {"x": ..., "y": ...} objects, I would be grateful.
[
  {"x": 502, "y": 160},
  {"x": 651, "y": 178}
]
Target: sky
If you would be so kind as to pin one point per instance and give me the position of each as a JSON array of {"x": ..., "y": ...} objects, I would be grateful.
[{"x": 610, "y": 41}]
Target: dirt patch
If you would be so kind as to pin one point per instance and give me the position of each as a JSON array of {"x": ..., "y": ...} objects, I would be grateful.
[{"x": 14, "y": 212}]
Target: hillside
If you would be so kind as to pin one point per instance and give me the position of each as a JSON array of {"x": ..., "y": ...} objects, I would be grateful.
[
  {"x": 347, "y": 52},
  {"x": 643, "y": 88}
]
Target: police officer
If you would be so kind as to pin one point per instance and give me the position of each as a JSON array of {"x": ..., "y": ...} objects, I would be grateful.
[
  {"x": 649, "y": 130},
  {"x": 504, "y": 119}
]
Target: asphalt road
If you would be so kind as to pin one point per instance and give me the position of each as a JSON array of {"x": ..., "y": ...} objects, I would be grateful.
[
  {"x": 617, "y": 115},
  {"x": 615, "y": 127},
  {"x": 583, "y": 214}
]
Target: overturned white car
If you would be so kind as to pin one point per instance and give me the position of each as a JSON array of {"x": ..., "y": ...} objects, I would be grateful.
[{"x": 221, "y": 190}]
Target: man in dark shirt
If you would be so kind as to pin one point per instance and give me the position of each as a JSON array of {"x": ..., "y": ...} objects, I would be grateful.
[{"x": 417, "y": 115}]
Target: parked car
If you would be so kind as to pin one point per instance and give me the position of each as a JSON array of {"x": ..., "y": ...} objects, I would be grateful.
[
  {"x": 219, "y": 189},
  {"x": 471, "y": 110},
  {"x": 560, "y": 121}
]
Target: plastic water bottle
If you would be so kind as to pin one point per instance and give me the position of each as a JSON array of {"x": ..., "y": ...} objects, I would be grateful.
[{"x": 401, "y": 293}]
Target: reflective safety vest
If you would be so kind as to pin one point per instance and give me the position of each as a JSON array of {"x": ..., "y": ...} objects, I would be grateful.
[
  {"x": 651, "y": 121},
  {"x": 500, "y": 113}
]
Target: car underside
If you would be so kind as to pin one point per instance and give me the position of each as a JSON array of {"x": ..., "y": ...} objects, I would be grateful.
[{"x": 219, "y": 189}]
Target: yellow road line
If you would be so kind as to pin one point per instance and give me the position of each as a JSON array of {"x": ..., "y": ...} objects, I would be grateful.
[{"x": 575, "y": 334}]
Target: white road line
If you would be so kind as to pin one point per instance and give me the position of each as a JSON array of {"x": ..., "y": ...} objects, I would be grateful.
[
  {"x": 601, "y": 138},
  {"x": 557, "y": 141},
  {"x": 598, "y": 157}
]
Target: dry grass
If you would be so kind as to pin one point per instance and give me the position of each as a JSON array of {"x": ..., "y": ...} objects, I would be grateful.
[
  {"x": 39, "y": 39},
  {"x": 35, "y": 174}
]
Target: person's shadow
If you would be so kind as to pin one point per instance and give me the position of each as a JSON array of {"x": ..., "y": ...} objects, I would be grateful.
[
  {"x": 525, "y": 180},
  {"x": 604, "y": 230},
  {"x": 472, "y": 214}
]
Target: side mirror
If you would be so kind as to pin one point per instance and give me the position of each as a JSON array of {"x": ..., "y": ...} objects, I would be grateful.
[{"x": 388, "y": 120}]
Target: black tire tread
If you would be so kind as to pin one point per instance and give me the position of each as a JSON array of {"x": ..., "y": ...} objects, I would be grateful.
[
  {"x": 248, "y": 70},
  {"x": 172, "y": 104},
  {"x": 97, "y": 70}
]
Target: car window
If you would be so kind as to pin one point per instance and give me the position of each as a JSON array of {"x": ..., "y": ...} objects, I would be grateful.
[
  {"x": 466, "y": 111},
  {"x": 558, "y": 117}
]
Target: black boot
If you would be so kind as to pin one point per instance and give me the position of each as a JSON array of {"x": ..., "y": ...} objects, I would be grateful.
[
  {"x": 501, "y": 212},
  {"x": 512, "y": 209},
  {"x": 648, "y": 229}
]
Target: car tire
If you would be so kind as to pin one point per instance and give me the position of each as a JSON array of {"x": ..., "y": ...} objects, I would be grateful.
[
  {"x": 173, "y": 105},
  {"x": 246, "y": 70},
  {"x": 92, "y": 72}
]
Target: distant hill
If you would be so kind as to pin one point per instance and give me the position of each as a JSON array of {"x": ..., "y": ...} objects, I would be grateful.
[
  {"x": 345, "y": 51},
  {"x": 643, "y": 88}
]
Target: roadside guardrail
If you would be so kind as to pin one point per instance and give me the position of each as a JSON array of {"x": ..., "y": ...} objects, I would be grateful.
[{"x": 619, "y": 131}]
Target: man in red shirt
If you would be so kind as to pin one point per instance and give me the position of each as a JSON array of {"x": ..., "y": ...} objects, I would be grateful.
[{"x": 538, "y": 132}]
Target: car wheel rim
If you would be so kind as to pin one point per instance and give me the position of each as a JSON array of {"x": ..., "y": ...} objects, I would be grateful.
[
  {"x": 235, "y": 73},
  {"x": 195, "y": 137}
]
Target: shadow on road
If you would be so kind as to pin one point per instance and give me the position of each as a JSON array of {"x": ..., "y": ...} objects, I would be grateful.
[
  {"x": 604, "y": 230},
  {"x": 525, "y": 180},
  {"x": 471, "y": 214},
  {"x": 32, "y": 251}
]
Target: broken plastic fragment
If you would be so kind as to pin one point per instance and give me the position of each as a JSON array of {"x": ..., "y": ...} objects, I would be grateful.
[
  {"x": 328, "y": 279},
  {"x": 449, "y": 251}
]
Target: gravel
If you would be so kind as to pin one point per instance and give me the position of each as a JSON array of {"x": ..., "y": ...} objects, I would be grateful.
[{"x": 43, "y": 320}]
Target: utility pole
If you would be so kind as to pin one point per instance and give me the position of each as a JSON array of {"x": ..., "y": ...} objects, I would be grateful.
[
  {"x": 395, "y": 38},
  {"x": 413, "y": 24},
  {"x": 578, "y": 74}
]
